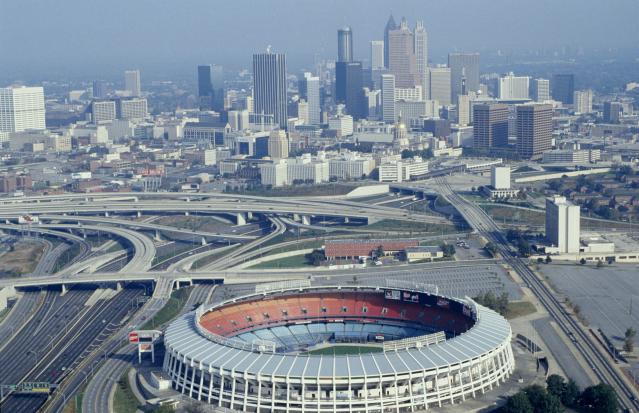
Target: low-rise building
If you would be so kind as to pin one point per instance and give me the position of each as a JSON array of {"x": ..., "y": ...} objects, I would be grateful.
[
  {"x": 423, "y": 253},
  {"x": 363, "y": 248}
]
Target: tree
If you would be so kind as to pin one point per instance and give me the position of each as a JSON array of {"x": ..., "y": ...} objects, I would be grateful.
[
  {"x": 556, "y": 385},
  {"x": 548, "y": 259},
  {"x": 599, "y": 264},
  {"x": 379, "y": 251},
  {"x": 194, "y": 408},
  {"x": 582, "y": 261},
  {"x": 164, "y": 409},
  {"x": 518, "y": 403},
  {"x": 491, "y": 248},
  {"x": 316, "y": 257},
  {"x": 448, "y": 249},
  {"x": 600, "y": 398},
  {"x": 629, "y": 340},
  {"x": 541, "y": 400},
  {"x": 571, "y": 393}
]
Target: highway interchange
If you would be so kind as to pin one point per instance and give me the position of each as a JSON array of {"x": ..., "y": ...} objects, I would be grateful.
[{"x": 79, "y": 338}]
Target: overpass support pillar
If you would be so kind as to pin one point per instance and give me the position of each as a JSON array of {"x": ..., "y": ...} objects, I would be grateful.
[
  {"x": 106, "y": 214},
  {"x": 118, "y": 286},
  {"x": 139, "y": 214},
  {"x": 84, "y": 233},
  {"x": 158, "y": 237},
  {"x": 371, "y": 220},
  {"x": 64, "y": 289},
  {"x": 203, "y": 241},
  {"x": 296, "y": 217},
  {"x": 241, "y": 218},
  {"x": 306, "y": 220},
  {"x": 186, "y": 213},
  {"x": 249, "y": 215},
  {"x": 347, "y": 220}
]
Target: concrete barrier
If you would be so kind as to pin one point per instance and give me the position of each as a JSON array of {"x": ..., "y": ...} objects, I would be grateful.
[{"x": 272, "y": 257}]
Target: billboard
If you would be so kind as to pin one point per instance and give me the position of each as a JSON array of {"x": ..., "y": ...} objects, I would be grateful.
[
  {"x": 28, "y": 219},
  {"x": 392, "y": 295}
]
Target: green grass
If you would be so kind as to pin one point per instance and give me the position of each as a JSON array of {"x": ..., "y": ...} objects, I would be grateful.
[
  {"x": 441, "y": 202},
  {"x": 410, "y": 226},
  {"x": 66, "y": 257},
  {"x": 124, "y": 400},
  {"x": 212, "y": 257},
  {"x": 173, "y": 252},
  {"x": 171, "y": 309},
  {"x": 338, "y": 350},
  {"x": 299, "y": 246},
  {"x": 519, "y": 309},
  {"x": 295, "y": 261}
]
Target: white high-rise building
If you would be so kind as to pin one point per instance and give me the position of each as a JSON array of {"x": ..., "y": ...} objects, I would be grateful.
[
  {"x": 421, "y": 48},
  {"x": 438, "y": 87},
  {"x": 21, "y": 108},
  {"x": 463, "y": 110},
  {"x": 540, "y": 90},
  {"x": 377, "y": 54},
  {"x": 500, "y": 177},
  {"x": 135, "y": 108},
  {"x": 269, "y": 86},
  {"x": 583, "y": 101},
  {"x": 562, "y": 224},
  {"x": 513, "y": 87},
  {"x": 103, "y": 111},
  {"x": 388, "y": 98},
  {"x": 312, "y": 96},
  {"x": 132, "y": 82}
]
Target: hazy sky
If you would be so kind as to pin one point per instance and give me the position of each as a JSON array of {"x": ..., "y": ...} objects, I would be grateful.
[{"x": 105, "y": 36}]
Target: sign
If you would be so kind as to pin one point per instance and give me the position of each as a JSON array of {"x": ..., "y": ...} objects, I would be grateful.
[
  {"x": 28, "y": 219},
  {"x": 392, "y": 294},
  {"x": 442, "y": 302},
  {"x": 133, "y": 337}
]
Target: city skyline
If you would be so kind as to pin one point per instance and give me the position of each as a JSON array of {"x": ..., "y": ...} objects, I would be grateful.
[{"x": 144, "y": 45}]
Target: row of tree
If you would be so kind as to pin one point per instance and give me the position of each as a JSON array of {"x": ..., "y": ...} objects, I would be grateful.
[
  {"x": 559, "y": 394},
  {"x": 497, "y": 303}
]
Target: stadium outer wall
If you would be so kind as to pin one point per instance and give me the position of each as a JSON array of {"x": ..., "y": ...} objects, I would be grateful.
[{"x": 217, "y": 371}]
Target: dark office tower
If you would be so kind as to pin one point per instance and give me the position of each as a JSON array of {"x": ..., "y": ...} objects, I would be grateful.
[
  {"x": 345, "y": 45},
  {"x": 612, "y": 112},
  {"x": 205, "y": 87},
  {"x": 99, "y": 89},
  {"x": 349, "y": 89},
  {"x": 461, "y": 64},
  {"x": 490, "y": 125},
  {"x": 534, "y": 130},
  {"x": 390, "y": 25},
  {"x": 563, "y": 88},
  {"x": 269, "y": 85}
]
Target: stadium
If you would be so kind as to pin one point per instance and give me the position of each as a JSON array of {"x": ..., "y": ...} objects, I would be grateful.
[{"x": 338, "y": 349}]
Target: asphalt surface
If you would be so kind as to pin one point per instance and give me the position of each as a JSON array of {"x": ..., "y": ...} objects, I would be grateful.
[
  {"x": 61, "y": 353},
  {"x": 20, "y": 312}
]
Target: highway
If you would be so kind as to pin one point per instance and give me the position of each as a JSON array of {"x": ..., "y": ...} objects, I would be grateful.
[
  {"x": 72, "y": 345},
  {"x": 236, "y": 204},
  {"x": 20, "y": 314},
  {"x": 596, "y": 356}
]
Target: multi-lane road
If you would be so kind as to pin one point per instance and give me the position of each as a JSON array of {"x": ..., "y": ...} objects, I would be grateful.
[{"x": 596, "y": 356}]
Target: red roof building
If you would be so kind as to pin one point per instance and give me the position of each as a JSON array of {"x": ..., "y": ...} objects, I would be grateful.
[{"x": 356, "y": 248}]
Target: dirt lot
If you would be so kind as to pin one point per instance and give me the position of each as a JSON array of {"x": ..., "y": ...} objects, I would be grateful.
[{"x": 22, "y": 259}]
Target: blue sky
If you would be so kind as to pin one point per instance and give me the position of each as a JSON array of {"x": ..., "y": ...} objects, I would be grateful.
[{"x": 105, "y": 36}]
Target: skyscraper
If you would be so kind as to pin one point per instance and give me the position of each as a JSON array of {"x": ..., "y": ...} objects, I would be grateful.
[
  {"x": 217, "y": 79},
  {"x": 269, "y": 85},
  {"x": 388, "y": 98},
  {"x": 463, "y": 65},
  {"x": 349, "y": 88},
  {"x": 534, "y": 130},
  {"x": 133, "y": 108},
  {"x": 21, "y": 109},
  {"x": 540, "y": 90},
  {"x": 490, "y": 125},
  {"x": 390, "y": 25},
  {"x": 132, "y": 82},
  {"x": 421, "y": 48},
  {"x": 99, "y": 89},
  {"x": 402, "y": 60},
  {"x": 205, "y": 87},
  {"x": 611, "y": 112},
  {"x": 103, "y": 110},
  {"x": 563, "y": 88},
  {"x": 437, "y": 85},
  {"x": 309, "y": 89},
  {"x": 345, "y": 45},
  {"x": 377, "y": 54}
]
